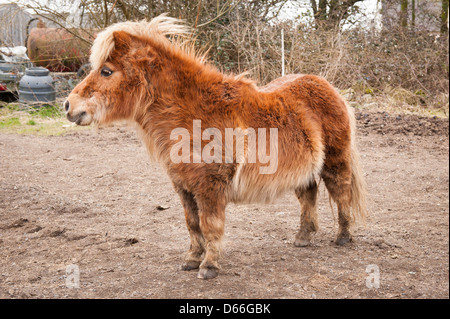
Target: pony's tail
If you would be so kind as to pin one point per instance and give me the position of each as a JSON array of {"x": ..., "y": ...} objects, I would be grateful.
[{"x": 358, "y": 202}]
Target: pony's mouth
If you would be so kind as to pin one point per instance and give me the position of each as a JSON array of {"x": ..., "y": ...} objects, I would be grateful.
[{"x": 79, "y": 119}]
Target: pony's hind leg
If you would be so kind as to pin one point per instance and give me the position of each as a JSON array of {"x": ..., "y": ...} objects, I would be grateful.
[
  {"x": 194, "y": 256},
  {"x": 337, "y": 179},
  {"x": 308, "y": 221}
]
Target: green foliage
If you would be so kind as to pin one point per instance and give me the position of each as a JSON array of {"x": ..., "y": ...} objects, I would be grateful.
[
  {"x": 13, "y": 106},
  {"x": 8, "y": 122},
  {"x": 420, "y": 93},
  {"x": 369, "y": 91},
  {"x": 43, "y": 120},
  {"x": 50, "y": 111}
]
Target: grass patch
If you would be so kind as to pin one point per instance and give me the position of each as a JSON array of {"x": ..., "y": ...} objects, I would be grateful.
[
  {"x": 398, "y": 100},
  {"x": 12, "y": 106},
  {"x": 50, "y": 111},
  {"x": 9, "y": 122},
  {"x": 53, "y": 128},
  {"x": 35, "y": 120}
]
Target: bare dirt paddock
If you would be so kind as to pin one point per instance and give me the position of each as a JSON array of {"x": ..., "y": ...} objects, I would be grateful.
[{"x": 93, "y": 200}]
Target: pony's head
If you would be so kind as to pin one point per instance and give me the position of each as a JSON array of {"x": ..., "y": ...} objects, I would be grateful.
[{"x": 122, "y": 60}]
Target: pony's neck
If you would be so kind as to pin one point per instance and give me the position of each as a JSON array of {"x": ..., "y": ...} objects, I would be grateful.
[
  {"x": 187, "y": 81},
  {"x": 184, "y": 88},
  {"x": 185, "y": 78}
]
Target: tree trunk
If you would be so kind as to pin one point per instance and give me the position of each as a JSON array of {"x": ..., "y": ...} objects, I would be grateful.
[
  {"x": 328, "y": 14},
  {"x": 404, "y": 13},
  {"x": 444, "y": 17},
  {"x": 320, "y": 12}
]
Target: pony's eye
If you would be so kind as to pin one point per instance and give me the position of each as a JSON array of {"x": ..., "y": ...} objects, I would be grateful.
[{"x": 106, "y": 72}]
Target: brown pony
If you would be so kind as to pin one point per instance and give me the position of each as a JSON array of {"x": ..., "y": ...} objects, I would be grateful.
[{"x": 139, "y": 74}]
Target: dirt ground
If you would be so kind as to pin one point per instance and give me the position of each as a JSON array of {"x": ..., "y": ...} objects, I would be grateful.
[{"x": 92, "y": 199}]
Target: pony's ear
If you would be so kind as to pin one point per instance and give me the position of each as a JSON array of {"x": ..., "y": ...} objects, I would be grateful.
[{"x": 122, "y": 40}]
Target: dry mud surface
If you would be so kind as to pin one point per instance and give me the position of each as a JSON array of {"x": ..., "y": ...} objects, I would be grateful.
[{"x": 93, "y": 199}]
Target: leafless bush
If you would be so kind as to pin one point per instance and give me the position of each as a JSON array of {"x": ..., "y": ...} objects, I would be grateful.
[{"x": 368, "y": 62}]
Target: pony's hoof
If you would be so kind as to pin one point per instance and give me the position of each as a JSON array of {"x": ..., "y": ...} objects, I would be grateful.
[
  {"x": 207, "y": 273},
  {"x": 190, "y": 265},
  {"x": 343, "y": 239},
  {"x": 301, "y": 242}
]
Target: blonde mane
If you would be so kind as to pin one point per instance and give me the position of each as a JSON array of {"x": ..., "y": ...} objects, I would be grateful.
[{"x": 157, "y": 29}]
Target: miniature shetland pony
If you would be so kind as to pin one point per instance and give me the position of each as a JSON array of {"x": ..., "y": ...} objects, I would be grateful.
[{"x": 161, "y": 84}]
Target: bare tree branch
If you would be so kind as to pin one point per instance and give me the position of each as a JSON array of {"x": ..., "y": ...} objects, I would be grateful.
[{"x": 222, "y": 12}]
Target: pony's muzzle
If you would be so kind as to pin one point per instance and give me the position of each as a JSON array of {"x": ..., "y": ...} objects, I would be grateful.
[
  {"x": 77, "y": 110},
  {"x": 77, "y": 118}
]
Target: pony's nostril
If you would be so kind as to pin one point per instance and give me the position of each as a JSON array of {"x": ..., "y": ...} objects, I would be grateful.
[{"x": 66, "y": 105}]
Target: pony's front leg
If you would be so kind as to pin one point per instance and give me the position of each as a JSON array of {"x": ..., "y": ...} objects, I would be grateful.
[
  {"x": 194, "y": 256},
  {"x": 212, "y": 223}
]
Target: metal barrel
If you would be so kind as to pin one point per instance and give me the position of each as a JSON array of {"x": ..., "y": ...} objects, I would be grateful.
[
  {"x": 36, "y": 86},
  {"x": 56, "y": 49}
]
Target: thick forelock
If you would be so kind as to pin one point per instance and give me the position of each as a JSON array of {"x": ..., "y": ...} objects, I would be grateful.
[{"x": 157, "y": 28}]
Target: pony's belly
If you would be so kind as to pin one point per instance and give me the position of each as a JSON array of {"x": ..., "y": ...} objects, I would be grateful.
[{"x": 248, "y": 186}]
